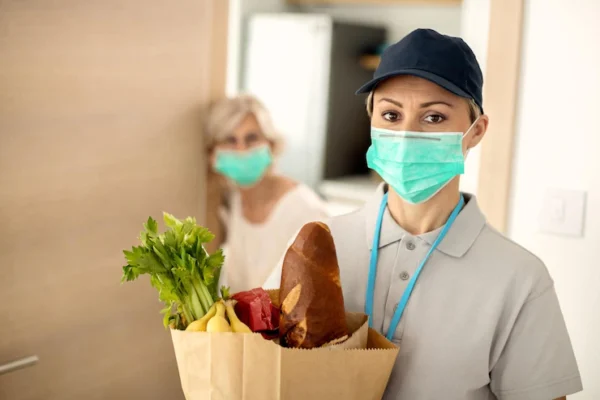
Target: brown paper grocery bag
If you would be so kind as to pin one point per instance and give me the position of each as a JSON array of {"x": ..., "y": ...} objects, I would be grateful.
[{"x": 234, "y": 366}]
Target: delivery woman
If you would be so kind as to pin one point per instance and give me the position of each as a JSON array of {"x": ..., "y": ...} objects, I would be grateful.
[
  {"x": 475, "y": 315},
  {"x": 263, "y": 209}
]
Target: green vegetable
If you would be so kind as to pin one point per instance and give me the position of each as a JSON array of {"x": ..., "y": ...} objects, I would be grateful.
[
  {"x": 225, "y": 293},
  {"x": 180, "y": 268}
]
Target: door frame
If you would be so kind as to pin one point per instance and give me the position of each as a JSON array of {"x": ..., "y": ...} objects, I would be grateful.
[
  {"x": 218, "y": 73},
  {"x": 501, "y": 100}
]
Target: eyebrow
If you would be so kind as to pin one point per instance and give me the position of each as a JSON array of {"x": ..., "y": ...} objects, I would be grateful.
[{"x": 423, "y": 105}]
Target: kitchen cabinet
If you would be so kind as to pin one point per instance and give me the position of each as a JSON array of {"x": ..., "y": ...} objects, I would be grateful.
[{"x": 99, "y": 129}]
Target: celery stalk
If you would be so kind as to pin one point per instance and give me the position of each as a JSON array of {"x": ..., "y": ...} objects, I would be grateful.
[{"x": 184, "y": 274}]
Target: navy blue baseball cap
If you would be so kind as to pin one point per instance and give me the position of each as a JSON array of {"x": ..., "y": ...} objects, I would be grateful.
[{"x": 444, "y": 60}]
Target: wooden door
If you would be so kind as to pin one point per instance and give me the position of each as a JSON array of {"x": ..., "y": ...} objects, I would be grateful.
[{"x": 99, "y": 128}]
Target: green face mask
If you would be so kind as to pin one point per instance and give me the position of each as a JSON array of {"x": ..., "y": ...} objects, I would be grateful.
[
  {"x": 244, "y": 168},
  {"x": 417, "y": 165}
]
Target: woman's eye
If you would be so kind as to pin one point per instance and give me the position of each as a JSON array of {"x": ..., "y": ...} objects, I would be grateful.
[
  {"x": 434, "y": 119},
  {"x": 251, "y": 138},
  {"x": 390, "y": 116},
  {"x": 230, "y": 140}
]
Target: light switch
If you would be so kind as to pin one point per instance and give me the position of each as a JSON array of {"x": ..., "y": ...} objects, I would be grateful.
[
  {"x": 557, "y": 209},
  {"x": 563, "y": 212}
]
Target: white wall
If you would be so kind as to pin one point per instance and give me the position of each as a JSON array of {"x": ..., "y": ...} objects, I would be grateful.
[
  {"x": 558, "y": 145},
  {"x": 239, "y": 10},
  {"x": 399, "y": 19},
  {"x": 474, "y": 29}
]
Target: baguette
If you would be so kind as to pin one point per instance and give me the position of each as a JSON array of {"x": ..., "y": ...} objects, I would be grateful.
[{"x": 311, "y": 298}]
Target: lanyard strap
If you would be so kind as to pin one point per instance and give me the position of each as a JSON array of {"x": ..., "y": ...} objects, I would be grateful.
[{"x": 411, "y": 284}]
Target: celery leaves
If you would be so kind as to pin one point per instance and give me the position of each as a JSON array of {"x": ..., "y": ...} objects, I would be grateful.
[{"x": 180, "y": 268}]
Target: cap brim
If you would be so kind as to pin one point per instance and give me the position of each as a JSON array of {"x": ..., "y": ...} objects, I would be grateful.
[{"x": 438, "y": 80}]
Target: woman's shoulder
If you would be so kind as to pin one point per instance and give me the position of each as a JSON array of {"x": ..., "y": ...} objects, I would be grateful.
[
  {"x": 508, "y": 260},
  {"x": 299, "y": 195},
  {"x": 506, "y": 249}
]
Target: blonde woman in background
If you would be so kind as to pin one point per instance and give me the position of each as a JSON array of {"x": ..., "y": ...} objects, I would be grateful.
[{"x": 262, "y": 209}]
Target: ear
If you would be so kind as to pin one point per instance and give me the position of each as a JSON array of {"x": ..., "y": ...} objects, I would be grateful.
[
  {"x": 275, "y": 147},
  {"x": 477, "y": 132}
]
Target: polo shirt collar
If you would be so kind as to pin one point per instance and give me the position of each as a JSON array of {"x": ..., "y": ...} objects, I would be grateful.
[{"x": 459, "y": 239}]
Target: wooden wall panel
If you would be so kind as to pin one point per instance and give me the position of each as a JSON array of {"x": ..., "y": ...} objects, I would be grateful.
[
  {"x": 214, "y": 189},
  {"x": 99, "y": 128},
  {"x": 500, "y": 103}
]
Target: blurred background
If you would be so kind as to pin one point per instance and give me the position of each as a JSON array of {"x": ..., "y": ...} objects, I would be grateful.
[
  {"x": 100, "y": 126},
  {"x": 325, "y": 50}
]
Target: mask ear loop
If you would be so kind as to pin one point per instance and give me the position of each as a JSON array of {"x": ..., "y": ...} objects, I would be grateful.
[{"x": 467, "y": 132}]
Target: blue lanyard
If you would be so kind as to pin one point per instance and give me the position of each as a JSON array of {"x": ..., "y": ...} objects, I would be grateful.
[{"x": 411, "y": 284}]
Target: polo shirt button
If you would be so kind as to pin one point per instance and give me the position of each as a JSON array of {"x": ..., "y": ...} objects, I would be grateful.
[
  {"x": 404, "y": 275},
  {"x": 410, "y": 245}
]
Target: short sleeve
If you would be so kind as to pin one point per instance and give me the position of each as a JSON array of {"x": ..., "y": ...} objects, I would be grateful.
[
  {"x": 274, "y": 279},
  {"x": 319, "y": 214},
  {"x": 537, "y": 361},
  {"x": 305, "y": 207}
]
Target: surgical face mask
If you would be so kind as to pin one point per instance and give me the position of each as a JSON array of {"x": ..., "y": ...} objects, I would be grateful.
[
  {"x": 417, "y": 165},
  {"x": 244, "y": 168}
]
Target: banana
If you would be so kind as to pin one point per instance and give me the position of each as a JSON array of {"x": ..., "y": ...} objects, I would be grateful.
[
  {"x": 200, "y": 324},
  {"x": 218, "y": 323},
  {"x": 236, "y": 324}
]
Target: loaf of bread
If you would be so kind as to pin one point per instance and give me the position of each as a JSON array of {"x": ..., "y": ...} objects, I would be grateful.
[{"x": 311, "y": 298}]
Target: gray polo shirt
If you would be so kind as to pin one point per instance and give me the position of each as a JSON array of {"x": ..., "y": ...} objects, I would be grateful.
[{"x": 483, "y": 321}]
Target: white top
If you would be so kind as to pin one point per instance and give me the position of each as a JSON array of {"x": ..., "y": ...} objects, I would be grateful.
[{"x": 252, "y": 250}]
